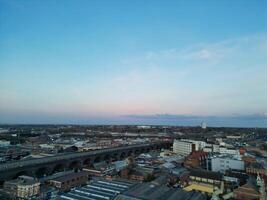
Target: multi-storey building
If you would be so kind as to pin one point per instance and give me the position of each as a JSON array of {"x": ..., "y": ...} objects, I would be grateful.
[
  {"x": 183, "y": 147},
  {"x": 199, "y": 144},
  {"x": 221, "y": 163}
]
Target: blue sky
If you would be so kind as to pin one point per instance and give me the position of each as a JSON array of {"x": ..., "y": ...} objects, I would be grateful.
[{"x": 98, "y": 61}]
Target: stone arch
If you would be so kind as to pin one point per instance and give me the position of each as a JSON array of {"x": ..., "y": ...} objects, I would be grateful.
[
  {"x": 129, "y": 153},
  {"x": 42, "y": 171},
  {"x": 97, "y": 159},
  {"x": 87, "y": 162},
  {"x": 136, "y": 152},
  {"x": 59, "y": 168},
  {"x": 107, "y": 158},
  {"x": 143, "y": 150},
  {"x": 114, "y": 157},
  {"x": 75, "y": 165},
  {"x": 123, "y": 155}
]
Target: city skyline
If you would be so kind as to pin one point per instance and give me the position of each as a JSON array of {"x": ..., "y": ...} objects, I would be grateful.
[{"x": 94, "y": 62}]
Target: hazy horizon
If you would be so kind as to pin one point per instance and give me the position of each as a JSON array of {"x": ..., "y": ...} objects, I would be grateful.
[{"x": 249, "y": 121}]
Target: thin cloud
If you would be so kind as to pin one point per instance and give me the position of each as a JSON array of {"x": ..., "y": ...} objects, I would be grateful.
[{"x": 212, "y": 52}]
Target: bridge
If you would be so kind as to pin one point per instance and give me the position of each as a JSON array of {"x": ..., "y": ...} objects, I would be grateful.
[{"x": 40, "y": 167}]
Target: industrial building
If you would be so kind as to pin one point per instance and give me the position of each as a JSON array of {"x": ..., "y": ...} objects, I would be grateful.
[
  {"x": 149, "y": 191},
  {"x": 98, "y": 190}
]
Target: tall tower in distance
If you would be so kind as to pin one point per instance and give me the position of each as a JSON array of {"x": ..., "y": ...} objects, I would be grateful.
[{"x": 203, "y": 125}]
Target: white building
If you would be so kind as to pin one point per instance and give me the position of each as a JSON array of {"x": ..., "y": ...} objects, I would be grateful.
[
  {"x": 215, "y": 148},
  {"x": 4, "y": 143},
  {"x": 208, "y": 149},
  {"x": 198, "y": 144},
  {"x": 183, "y": 147},
  {"x": 222, "y": 163},
  {"x": 224, "y": 150},
  {"x": 186, "y": 146},
  {"x": 203, "y": 125}
]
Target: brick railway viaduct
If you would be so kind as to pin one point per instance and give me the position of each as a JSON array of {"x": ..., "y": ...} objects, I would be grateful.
[{"x": 39, "y": 167}]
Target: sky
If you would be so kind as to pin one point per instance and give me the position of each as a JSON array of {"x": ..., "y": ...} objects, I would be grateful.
[{"x": 97, "y": 61}]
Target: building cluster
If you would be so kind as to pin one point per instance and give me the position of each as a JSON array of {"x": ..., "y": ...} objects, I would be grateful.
[
  {"x": 222, "y": 170},
  {"x": 194, "y": 168},
  {"x": 187, "y": 171}
]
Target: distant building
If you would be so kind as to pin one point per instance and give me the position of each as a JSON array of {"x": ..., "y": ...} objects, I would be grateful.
[
  {"x": 24, "y": 187},
  {"x": 248, "y": 160},
  {"x": 143, "y": 127},
  {"x": 221, "y": 163},
  {"x": 235, "y": 137},
  {"x": 64, "y": 181},
  {"x": 120, "y": 164},
  {"x": 143, "y": 173},
  {"x": 183, "y": 147},
  {"x": 203, "y": 125},
  {"x": 242, "y": 151},
  {"x": 199, "y": 144},
  {"x": 196, "y": 159},
  {"x": 215, "y": 148},
  {"x": 101, "y": 169},
  {"x": 166, "y": 153},
  {"x": 225, "y": 150},
  {"x": 4, "y": 143}
]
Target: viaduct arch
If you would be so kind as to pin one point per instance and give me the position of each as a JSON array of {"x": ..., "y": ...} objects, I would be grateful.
[{"x": 44, "y": 166}]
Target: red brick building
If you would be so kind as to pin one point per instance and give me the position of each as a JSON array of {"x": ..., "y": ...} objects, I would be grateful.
[
  {"x": 196, "y": 159},
  {"x": 66, "y": 181}
]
